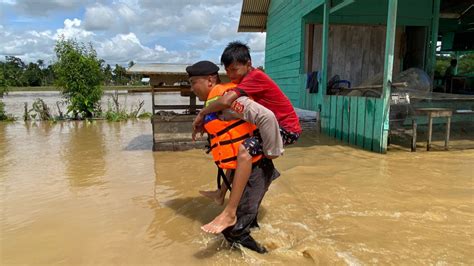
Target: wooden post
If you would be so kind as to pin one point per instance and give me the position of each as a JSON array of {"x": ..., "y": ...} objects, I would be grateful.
[
  {"x": 448, "y": 129},
  {"x": 152, "y": 97},
  {"x": 430, "y": 131},
  {"x": 387, "y": 70},
  {"x": 192, "y": 104},
  {"x": 413, "y": 137},
  {"x": 324, "y": 47},
  {"x": 434, "y": 38}
]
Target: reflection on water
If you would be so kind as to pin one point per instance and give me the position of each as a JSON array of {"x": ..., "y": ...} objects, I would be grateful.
[
  {"x": 84, "y": 146},
  {"x": 4, "y": 146},
  {"x": 94, "y": 193}
]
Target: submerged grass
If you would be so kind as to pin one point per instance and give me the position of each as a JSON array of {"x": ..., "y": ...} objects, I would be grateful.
[
  {"x": 3, "y": 115},
  {"x": 54, "y": 88}
]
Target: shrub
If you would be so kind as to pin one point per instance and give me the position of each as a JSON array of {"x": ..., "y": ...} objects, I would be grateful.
[{"x": 79, "y": 77}]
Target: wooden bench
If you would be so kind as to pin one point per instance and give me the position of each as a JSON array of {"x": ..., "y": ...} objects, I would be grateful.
[{"x": 437, "y": 112}]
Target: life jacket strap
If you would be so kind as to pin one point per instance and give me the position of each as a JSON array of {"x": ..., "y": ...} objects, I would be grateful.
[
  {"x": 226, "y": 160},
  {"x": 221, "y": 174},
  {"x": 231, "y": 126},
  {"x": 230, "y": 141}
]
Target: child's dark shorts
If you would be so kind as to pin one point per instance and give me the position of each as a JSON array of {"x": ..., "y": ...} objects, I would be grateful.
[{"x": 254, "y": 144}]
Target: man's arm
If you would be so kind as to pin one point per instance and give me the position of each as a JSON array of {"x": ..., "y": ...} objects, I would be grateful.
[{"x": 220, "y": 104}]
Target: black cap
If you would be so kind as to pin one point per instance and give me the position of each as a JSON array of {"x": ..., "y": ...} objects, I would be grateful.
[{"x": 202, "y": 68}]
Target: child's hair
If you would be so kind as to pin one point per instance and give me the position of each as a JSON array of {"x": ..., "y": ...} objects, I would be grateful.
[{"x": 235, "y": 52}]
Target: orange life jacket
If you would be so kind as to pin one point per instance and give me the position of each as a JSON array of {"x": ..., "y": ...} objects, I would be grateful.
[{"x": 226, "y": 136}]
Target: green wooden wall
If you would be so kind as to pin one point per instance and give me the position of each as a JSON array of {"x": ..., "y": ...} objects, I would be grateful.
[{"x": 355, "y": 120}]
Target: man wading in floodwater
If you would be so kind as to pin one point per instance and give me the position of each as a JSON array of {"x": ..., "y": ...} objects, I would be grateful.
[
  {"x": 226, "y": 131},
  {"x": 265, "y": 92}
]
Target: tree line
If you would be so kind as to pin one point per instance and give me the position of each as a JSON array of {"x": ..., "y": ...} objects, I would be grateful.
[{"x": 14, "y": 72}]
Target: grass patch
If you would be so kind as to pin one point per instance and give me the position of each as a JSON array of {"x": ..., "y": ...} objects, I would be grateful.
[
  {"x": 53, "y": 88},
  {"x": 3, "y": 115}
]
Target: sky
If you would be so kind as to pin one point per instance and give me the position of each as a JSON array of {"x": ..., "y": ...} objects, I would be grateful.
[{"x": 145, "y": 31}]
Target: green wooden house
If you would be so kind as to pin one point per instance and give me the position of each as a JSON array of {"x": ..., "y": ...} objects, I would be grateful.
[{"x": 355, "y": 39}]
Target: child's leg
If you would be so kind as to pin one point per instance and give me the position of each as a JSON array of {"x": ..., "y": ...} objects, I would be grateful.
[
  {"x": 266, "y": 122},
  {"x": 228, "y": 216},
  {"x": 251, "y": 111},
  {"x": 218, "y": 195}
]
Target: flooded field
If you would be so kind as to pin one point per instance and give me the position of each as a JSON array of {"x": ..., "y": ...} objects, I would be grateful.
[
  {"x": 14, "y": 101},
  {"x": 93, "y": 193}
]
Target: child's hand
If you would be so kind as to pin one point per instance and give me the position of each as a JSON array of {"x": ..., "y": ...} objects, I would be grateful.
[
  {"x": 197, "y": 123},
  {"x": 199, "y": 129},
  {"x": 198, "y": 126}
]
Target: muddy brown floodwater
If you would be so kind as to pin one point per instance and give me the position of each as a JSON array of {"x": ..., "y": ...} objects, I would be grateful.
[{"x": 94, "y": 193}]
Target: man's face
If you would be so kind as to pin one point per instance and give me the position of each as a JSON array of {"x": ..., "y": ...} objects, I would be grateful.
[
  {"x": 200, "y": 85},
  {"x": 237, "y": 71}
]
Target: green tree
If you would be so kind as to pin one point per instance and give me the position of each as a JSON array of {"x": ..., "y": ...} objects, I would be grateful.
[
  {"x": 134, "y": 78},
  {"x": 33, "y": 74},
  {"x": 120, "y": 75},
  {"x": 466, "y": 64},
  {"x": 79, "y": 76},
  {"x": 48, "y": 75},
  {"x": 13, "y": 71},
  {"x": 107, "y": 73},
  {"x": 442, "y": 62},
  {"x": 3, "y": 81}
]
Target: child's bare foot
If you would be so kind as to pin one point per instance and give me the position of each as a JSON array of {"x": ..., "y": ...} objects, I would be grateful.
[
  {"x": 215, "y": 195},
  {"x": 220, "y": 223}
]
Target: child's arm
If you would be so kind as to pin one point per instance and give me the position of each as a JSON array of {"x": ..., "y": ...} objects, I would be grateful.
[
  {"x": 220, "y": 104},
  {"x": 265, "y": 121}
]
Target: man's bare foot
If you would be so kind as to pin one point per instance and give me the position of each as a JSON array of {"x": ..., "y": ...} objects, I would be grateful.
[
  {"x": 220, "y": 223},
  {"x": 214, "y": 195}
]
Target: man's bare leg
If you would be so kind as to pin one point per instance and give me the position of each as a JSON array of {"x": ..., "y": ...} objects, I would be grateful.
[{"x": 228, "y": 217}]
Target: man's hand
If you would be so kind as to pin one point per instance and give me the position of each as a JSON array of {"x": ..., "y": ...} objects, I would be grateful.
[{"x": 198, "y": 126}]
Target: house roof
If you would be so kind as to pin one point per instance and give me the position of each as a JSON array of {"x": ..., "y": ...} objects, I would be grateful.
[
  {"x": 253, "y": 17},
  {"x": 163, "y": 69}
]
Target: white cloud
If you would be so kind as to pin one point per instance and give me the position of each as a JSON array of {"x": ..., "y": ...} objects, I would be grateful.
[
  {"x": 73, "y": 30},
  {"x": 123, "y": 48},
  {"x": 117, "y": 18},
  {"x": 222, "y": 31},
  {"x": 8, "y": 2},
  {"x": 127, "y": 13},
  {"x": 195, "y": 20},
  {"x": 44, "y": 7},
  {"x": 99, "y": 17},
  {"x": 257, "y": 42},
  {"x": 29, "y": 46}
]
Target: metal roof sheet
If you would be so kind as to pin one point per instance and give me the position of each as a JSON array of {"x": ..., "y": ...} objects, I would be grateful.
[
  {"x": 253, "y": 17},
  {"x": 164, "y": 69}
]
